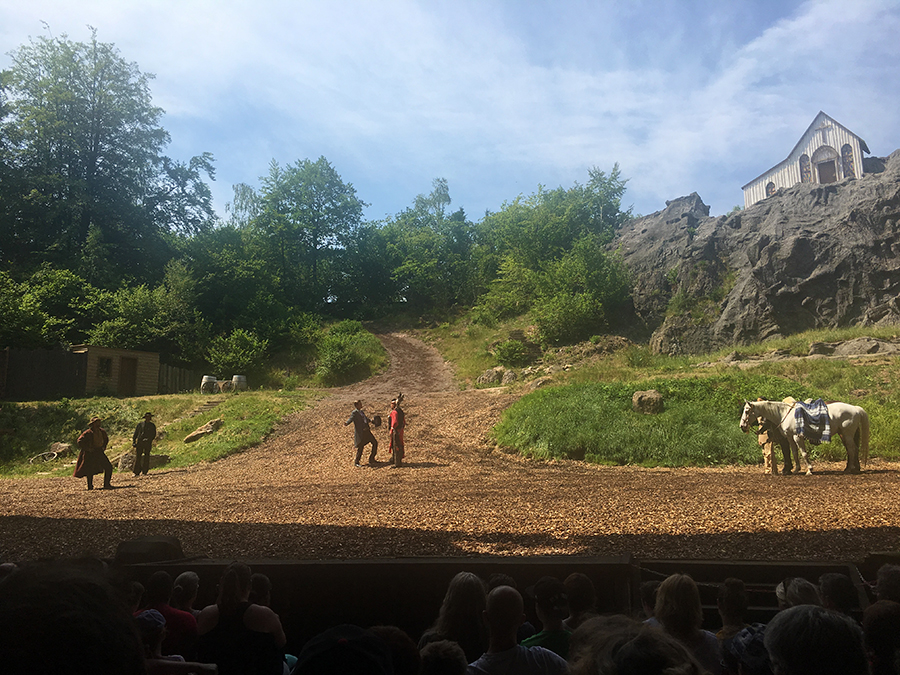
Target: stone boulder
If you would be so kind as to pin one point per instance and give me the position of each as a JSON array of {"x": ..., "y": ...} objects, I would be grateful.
[
  {"x": 509, "y": 376},
  {"x": 491, "y": 377},
  {"x": 210, "y": 427},
  {"x": 648, "y": 402}
]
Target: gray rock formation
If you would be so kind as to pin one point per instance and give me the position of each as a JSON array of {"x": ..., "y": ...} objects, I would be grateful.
[{"x": 808, "y": 257}]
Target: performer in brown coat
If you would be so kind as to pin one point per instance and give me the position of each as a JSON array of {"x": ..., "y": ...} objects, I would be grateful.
[{"x": 92, "y": 459}]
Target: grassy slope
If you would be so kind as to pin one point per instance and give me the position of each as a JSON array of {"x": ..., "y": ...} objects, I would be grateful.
[{"x": 589, "y": 415}]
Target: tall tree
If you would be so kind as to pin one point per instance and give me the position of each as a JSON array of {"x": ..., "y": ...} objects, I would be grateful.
[{"x": 85, "y": 145}]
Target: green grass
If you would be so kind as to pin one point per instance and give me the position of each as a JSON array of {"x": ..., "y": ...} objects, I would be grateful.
[{"x": 249, "y": 417}]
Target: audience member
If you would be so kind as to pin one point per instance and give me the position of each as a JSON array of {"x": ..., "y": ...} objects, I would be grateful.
[
  {"x": 647, "y": 591},
  {"x": 344, "y": 650},
  {"x": 404, "y": 653},
  {"x": 811, "y": 640},
  {"x": 582, "y": 599},
  {"x": 551, "y": 605},
  {"x": 888, "y": 583},
  {"x": 881, "y": 630},
  {"x": 6, "y": 569},
  {"x": 134, "y": 596},
  {"x": 593, "y": 643},
  {"x": 443, "y": 657},
  {"x": 152, "y": 627},
  {"x": 732, "y": 605},
  {"x": 62, "y": 618},
  {"x": 184, "y": 594},
  {"x": 745, "y": 653},
  {"x": 181, "y": 626},
  {"x": 527, "y": 629},
  {"x": 837, "y": 592},
  {"x": 680, "y": 613},
  {"x": 503, "y": 613},
  {"x": 802, "y": 592},
  {"x": 653, "y": 652},
  {"x": 260, "y": 589},
  {"x": 460, "y": 616},
  {"x": 238, "y": 636}
]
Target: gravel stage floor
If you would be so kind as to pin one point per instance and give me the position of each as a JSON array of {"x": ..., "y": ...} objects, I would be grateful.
[{"x": 298, "y": 495}]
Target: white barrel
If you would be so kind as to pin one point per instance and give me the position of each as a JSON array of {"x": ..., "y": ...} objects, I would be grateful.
[
  {"x": 209, "y": 385},
  {"x": 240, "y": 382}
]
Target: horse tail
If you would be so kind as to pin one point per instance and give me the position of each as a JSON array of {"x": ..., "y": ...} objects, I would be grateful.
[{"x": 863, "y": 437}]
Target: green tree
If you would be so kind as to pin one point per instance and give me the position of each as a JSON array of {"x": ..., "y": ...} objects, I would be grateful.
[{"x": 83, "y": 142}]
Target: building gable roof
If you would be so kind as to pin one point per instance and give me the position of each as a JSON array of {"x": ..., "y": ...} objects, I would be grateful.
[{"x": 813, "y": 125}]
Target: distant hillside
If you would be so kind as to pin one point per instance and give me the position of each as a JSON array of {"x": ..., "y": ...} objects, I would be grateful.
[{"x": 812, "y": 256}]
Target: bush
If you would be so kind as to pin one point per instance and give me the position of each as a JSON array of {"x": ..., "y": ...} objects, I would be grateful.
[
  {"x": 337, "y": 358},
  {"x": 564, "y": 319},
  {"x": 239, "y": 352},
  {"x": 511, "y": 353}
]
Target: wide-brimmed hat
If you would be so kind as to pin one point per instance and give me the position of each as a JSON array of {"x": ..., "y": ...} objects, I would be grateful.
[
  {"x": 148, "y": 414},
  {"x": 95, "y": 419}
]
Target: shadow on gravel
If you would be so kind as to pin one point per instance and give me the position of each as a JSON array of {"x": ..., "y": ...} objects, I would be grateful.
[{"x": 30, "y": 538}]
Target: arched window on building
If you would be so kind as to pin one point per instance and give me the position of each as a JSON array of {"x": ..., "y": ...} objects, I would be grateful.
[
  {"x": 847, "y": 161},
  {"x": 805, "y": 169},
  {"x": 770, "y": 189}
]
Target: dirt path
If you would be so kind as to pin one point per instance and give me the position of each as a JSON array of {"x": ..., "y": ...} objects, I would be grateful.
[{"x": 298, "y": 495}]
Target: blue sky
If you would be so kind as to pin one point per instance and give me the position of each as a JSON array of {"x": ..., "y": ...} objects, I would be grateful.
[{"x": 499, "y": 97}]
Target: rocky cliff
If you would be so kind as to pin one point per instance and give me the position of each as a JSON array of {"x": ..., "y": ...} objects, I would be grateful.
[{"x": 807, "y": 257}]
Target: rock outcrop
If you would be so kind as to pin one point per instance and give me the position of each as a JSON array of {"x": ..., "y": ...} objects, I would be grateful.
[{"x": 811, "y": 256}]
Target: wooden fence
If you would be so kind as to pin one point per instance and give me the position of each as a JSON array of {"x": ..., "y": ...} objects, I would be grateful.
[{"x": 174, "y": 380}]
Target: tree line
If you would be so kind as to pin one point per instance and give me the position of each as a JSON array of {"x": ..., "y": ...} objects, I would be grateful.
[{"x": 106, "y": 240}]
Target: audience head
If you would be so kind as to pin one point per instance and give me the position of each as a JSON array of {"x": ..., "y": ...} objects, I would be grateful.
[
  {"x": 802, "y": 592},
  {"x": 404, "y": 653},
  {"x": 881, "y": 630},
  {"x": 888, "y": 584},
  {"x": 550, "y": 601},
  {"x": 746, "y": 652},
  {"x": 465, "y": 599},
  {"x": 504, "y": 611},
  {"x": 187, "y": 585},
  {"x": 647, "y": 591},
  {"x": 260, "y": 589},
  {"x": 6, "y": 569},
  {"x": 61, "y": 618},
  {"x": 811, "y": 640},
  {"x": 159, "y": 588},
  {"x": 344, "y": 649},
  {"x": 678, "y": 608},
  {"x": 134, "y": 594},
  {"x": 152, "y": 628},
  {"x": 443, "y": 657},
  {"x": 652, "y": 652},
  {"x": 593, "y": 643},
  {"x": 234, "y": 587},
  {"x": 581, "y": 593},
  {"x": 500, "y": 579},
  {"x": 837, "y": 592},
  {"x": 732, "y": 601}
]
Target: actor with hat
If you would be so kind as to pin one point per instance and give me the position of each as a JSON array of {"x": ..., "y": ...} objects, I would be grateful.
[
  {"x": 142, "y": 441},
  {"x": 92, "y": 457},
  {"x": 362, "y": 434}
]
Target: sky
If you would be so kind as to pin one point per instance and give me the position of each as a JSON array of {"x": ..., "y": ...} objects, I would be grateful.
[{"x": 498, "y": 97}]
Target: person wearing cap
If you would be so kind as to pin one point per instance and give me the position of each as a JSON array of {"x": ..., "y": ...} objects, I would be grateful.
[
  {"x": 551, "y": 604},
  {"x": 92, "y": 457},
  {"x": 396, "y": 424},
  {"x": 362, "y": 434},
  {"x": 142, "y": 441}
]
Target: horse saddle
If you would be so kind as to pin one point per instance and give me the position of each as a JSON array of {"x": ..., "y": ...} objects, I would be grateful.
[{"x": 812, "y": 421}]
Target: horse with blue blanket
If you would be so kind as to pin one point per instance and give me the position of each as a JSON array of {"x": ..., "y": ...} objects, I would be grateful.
[{"x": 815, "y": 422}]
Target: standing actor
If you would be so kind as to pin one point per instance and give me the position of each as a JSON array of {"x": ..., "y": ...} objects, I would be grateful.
[
  {"x": 362, "y": 434},
  {"x": 142, "y": 441},
  {"x": 92, "y": 458},
  {"x": 396, "y": 424}
]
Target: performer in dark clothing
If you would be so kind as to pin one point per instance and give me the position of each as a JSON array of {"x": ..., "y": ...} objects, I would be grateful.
[
  {"x": 142, "y": 442},
  {"x": 92, "y": 459},
  {"x": 362, "y": 434}
]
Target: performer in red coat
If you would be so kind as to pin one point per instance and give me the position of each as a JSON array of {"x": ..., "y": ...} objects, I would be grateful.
[{"x": 92, "y": 459}]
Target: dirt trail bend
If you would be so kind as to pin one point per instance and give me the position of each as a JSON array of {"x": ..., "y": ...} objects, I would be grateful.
[{"x": 298, "y": 495}]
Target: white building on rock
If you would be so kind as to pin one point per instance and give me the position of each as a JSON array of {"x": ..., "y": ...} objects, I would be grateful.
[{"x": 826, "y": 153}]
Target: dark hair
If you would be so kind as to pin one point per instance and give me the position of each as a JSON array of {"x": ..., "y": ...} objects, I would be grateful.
[
  {"x": 838, "y": 592},
  {"x": 678, "y": 608},
  {"x": 443, "y": 657},
  {"x": 233, "y": 587},
  {"x": 61, "y": 618},
  {"x": 260, "y": 588},
  {"x": 732, "y": 598},
  {"x": 186, "y": 586},
  {"x": 404, "y": 653},
  {"x": 500, "y": 579},
  {"x": 888, "y": 586},
  {"x": 652, "y": 652},
  {"x": 159, "y": 588},
  {"x": 647, "y": 591},
  {"x": 881, "y": 629},
  {"x": 581, "y": 593},
  {"x": 811, "y": 640},
  {"x": 460, "y": 616}
]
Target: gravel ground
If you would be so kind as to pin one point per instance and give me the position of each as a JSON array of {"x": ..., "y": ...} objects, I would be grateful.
[{"x": 298, "y": 495}]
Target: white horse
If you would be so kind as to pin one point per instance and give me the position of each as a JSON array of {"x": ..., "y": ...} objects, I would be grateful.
[{"x": 850, "y": 422}]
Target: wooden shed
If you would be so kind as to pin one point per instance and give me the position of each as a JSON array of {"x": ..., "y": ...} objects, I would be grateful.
[
  {"x": 119, "y": 372},
  {"x": 826, "y": 153}
]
